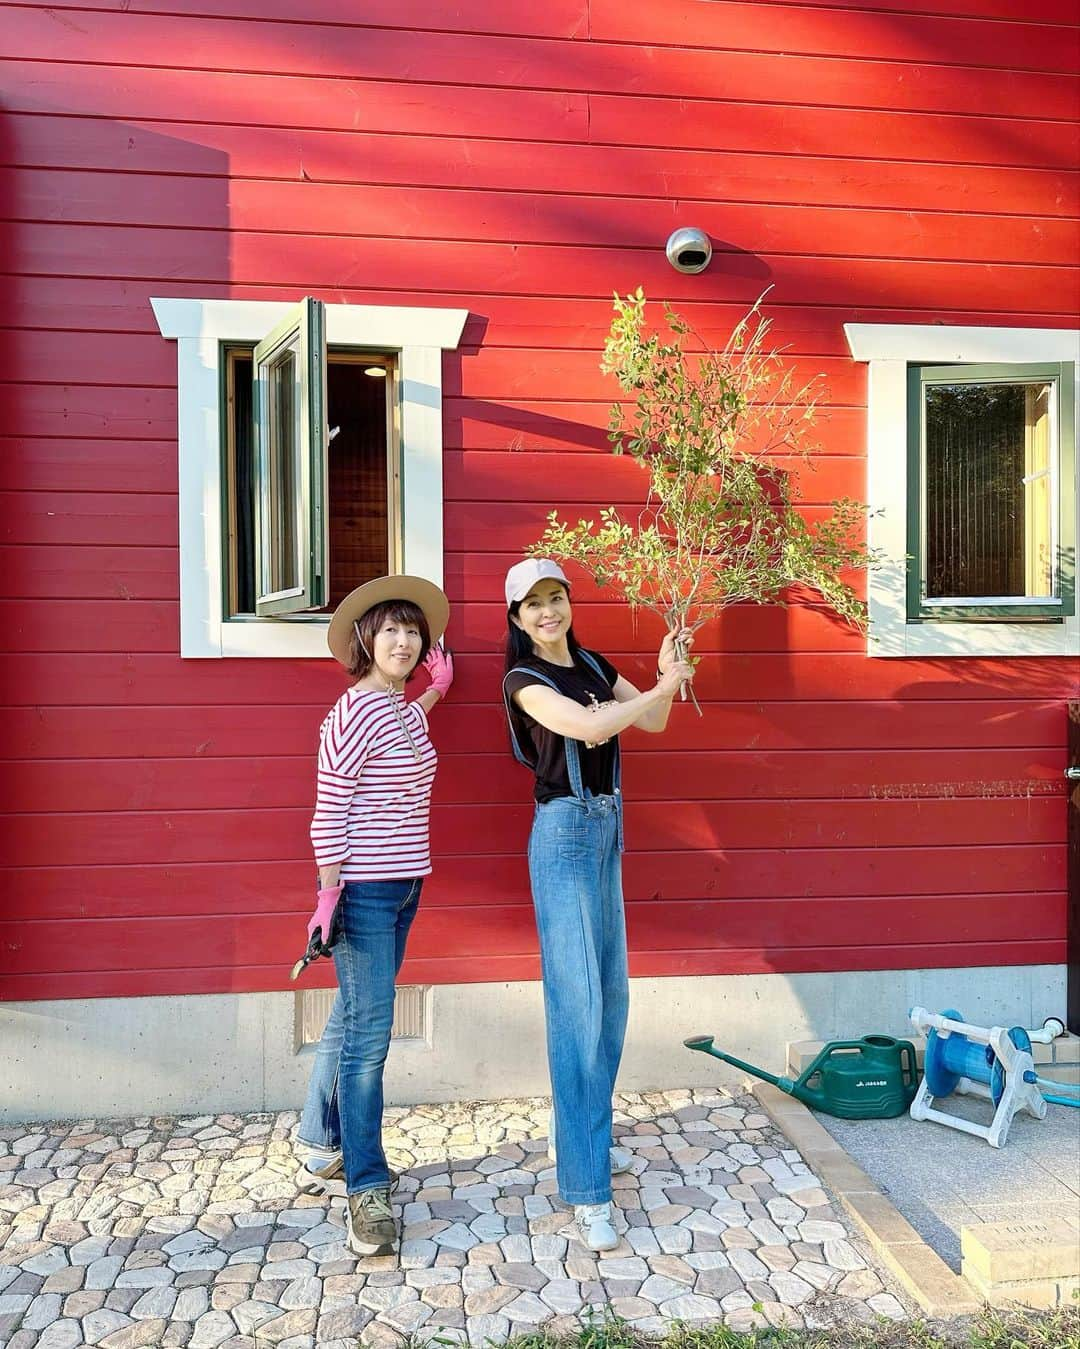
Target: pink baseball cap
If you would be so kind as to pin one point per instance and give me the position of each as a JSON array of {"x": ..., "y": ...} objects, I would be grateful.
[{"x": 522, "y": 576}]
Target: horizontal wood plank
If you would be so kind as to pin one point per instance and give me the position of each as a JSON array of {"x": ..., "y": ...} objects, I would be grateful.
[
  {"x": 602, "y": 479},
  {"x": 476, "y": 215},
  {"x": 738, "y": 273},
  {"x": 556, "y": 18},
  {"x": 131, "y": 624},
  {"x": 63, "y": 465},
  {"x": 946, "y": 136},
  {"x": 124, "y": 890},
  {"x": 88, "y": 572},
  {"x": 164, "y": 942},
  {"x": 467, "y": 879},
  {"x": 683, "y": 173},
  {"x": 1034, "y": 71},
  {"x": 93, "y": 305},
  {"x": 74, "y": 465},
  {"x": 500, "y": 830},
  {"x": 139, "y": 519},
  {"x": 67, "y": 733},
  {"x": 131, "y": 519},
  {"x": 237, "y": 976},
  {"x": 134, "y": 625},
  {"x": 925, "y": 120},
  {"x": 90, "y": 412},
  {"x": 681, "y": 24},
  {"x": 239, "y": 783},
  {"x": 495, "y": 374},
  {"x": 919, "y": 38},
  {"x": 123, "y": 679},
  {"x": 53, "y": 412}
]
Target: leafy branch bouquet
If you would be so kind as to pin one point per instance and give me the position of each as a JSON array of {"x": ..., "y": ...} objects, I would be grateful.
[{"x": 720, "y": 525}]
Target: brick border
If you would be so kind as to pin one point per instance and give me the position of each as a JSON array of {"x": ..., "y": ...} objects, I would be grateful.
[{"x": 922, "y": 1272}]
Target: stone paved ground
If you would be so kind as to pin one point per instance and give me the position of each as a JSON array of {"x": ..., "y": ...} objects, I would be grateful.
[{"x": 191, "y": 1232}]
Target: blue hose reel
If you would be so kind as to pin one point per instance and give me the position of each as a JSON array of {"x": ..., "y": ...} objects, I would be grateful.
[
  {"x": 995, "y": 1063},
  {"x": 949, "y": 1058}
]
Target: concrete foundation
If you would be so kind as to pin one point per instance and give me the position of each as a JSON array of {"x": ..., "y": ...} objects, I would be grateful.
[{"x": 213, "y": 1053}]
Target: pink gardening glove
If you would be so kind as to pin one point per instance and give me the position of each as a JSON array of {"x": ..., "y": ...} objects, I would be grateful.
[
  {"x": 323, "y": 917},
  {"x": 440, "y": 666}
]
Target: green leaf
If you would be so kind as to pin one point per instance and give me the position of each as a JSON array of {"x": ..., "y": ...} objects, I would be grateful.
[{"x": 721, "y": 526}]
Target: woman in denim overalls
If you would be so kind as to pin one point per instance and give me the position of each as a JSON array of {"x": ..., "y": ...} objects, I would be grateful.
[{"x": 566, "y": 707}]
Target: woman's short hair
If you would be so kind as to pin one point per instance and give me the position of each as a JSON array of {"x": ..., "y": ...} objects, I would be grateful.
[{"x": 362, "y": 642}]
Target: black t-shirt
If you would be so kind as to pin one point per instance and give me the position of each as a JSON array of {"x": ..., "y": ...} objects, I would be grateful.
[{"x": 548, "y": 750}]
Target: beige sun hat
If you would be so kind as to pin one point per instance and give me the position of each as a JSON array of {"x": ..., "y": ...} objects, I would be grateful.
[{"x": 426, "y": 595}]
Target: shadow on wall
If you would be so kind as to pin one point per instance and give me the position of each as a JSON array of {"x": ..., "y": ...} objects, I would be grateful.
[{"x": 99, "y": 882}]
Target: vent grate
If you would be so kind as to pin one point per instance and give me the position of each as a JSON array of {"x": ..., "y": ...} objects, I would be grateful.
[{"x": 313, "y": 1007}]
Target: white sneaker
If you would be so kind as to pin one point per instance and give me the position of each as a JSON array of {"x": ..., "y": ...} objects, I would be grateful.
[
  {"x": 621, "y": 1160},
  {"x": 592, "y": 1224}
]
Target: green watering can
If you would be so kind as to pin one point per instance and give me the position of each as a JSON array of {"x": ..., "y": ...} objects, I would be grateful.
[{"x": 871, "y": 1078}]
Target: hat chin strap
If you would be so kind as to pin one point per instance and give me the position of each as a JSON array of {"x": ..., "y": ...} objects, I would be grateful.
[{"x": 360, "y": 639}]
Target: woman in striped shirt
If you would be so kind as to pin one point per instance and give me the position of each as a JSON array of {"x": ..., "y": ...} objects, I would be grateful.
[{"x": 370, "y": 836}]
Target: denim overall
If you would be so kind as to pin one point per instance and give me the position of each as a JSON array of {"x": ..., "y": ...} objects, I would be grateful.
[{"x": 575, "y": 871}]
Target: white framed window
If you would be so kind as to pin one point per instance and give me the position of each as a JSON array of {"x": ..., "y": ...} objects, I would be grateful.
[
  {"x": 973, "y": 489},
  {"x": 290, "y": 530}
]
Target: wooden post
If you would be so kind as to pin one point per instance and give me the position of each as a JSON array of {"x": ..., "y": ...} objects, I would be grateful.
[{"x": 1073, "y": 872}]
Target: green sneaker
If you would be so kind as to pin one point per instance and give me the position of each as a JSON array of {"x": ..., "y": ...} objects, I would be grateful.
[{"x": 369, "y": 1223}]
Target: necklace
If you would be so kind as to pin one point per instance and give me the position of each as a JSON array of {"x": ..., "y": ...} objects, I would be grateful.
[{"x": 596, "y": 706}]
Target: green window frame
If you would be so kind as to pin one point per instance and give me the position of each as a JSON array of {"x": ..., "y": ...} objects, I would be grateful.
[
  {"x": 291, "y": 509},
  {"x": 1060, "y": 603}
]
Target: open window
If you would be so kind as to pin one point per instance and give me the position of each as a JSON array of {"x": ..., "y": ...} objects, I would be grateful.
[
  {"x": 344, "y": 486},
  {"x": 289, "y": 468},
  {"x": 310, "y": 451}
]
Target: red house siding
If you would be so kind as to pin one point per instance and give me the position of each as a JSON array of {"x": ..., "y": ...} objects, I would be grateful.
[{"x": 877, "y": 162}]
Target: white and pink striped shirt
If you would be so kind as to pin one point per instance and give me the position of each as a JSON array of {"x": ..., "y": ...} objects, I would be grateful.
[{"x": 373, "y": 798}]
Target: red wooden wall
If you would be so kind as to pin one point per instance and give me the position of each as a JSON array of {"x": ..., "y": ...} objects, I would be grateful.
[{"x": 875, "y": 161}]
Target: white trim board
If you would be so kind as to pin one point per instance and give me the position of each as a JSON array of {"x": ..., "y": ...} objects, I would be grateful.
[
  {"x": 200, "y": 327},
  {"x": 933, "y": 343},
  {"x": 889, "y": 349},
  {"x": 377, "y": 327}
]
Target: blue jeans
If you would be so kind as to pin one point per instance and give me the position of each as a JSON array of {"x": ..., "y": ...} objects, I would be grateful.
[
  {"x": 344, "y": 1103},
  {"x": 575, "y": 869}
]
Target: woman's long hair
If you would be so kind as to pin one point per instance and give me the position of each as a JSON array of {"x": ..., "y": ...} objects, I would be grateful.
[{"x": 519, "y": 645}]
